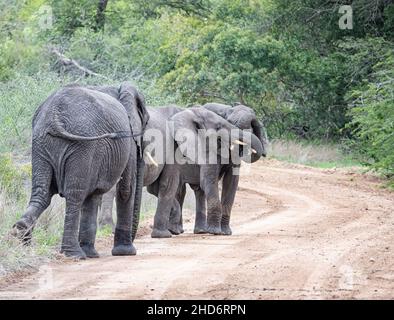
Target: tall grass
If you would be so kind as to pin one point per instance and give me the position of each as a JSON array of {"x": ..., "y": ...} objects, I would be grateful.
[
  {"x": 14, "y": 191},
  {"x": 317, "y": 154},
  {"x": 19, "y": 99}
]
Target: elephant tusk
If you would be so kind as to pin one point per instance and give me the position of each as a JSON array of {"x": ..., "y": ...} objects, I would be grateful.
[
  {"x": 151, "y": 159},
  {"x": 253, "y": 151},
  {"x": 240, "y": 142}
]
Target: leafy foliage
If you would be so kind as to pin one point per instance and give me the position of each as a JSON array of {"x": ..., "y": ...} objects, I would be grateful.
[
  {"x": 373, "y": 115},
  {"x": 289, "y": 60}
]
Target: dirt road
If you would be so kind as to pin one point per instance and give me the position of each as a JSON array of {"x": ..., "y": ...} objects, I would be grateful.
[{"x": 298, "y": 233}]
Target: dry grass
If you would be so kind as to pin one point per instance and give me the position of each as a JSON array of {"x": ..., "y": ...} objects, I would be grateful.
[
  {"x": 14, "y": 256},
  {"x": 313, "y": 154}
]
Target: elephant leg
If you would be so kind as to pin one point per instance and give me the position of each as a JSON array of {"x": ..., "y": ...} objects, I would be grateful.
[
  {"x": 88, "y": 226},
  {"x": 76, "y": 188},
  {"x": 41, "y": 194},
  {"x": 200, "y": 224},
  {"x": 209, "y": 183},
  {"x": 153, "y": 188},
  {"x": 181, "y": 200},
  {"x": 107, "y": 203},
  {"x": 176, "y": 223},
  {"x": 125, "y": 192},
  {"x": 175, "y": 216},
  {"x": 70, "y": 244},
  {"x": 168, "y": 185},
  {"x": 230, "y": 185}
]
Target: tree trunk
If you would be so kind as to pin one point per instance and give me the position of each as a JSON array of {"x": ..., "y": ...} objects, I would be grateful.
[{"x": 100, "y": 15}]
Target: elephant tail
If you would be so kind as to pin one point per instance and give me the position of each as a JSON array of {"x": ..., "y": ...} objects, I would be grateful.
[
  {"x": 57, "y": 130},
  {"x": 138, "y": 194}
]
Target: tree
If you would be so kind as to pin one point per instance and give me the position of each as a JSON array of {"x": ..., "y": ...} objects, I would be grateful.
[
  {"x": 154, "y": 8},
  {"x": 372, "y": 108},
  {"x": 100, "y": 15}
]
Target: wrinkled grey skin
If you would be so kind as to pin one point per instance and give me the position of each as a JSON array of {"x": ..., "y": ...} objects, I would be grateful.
[
  {"x": 243, "y": 118},
  {"x": 81, "y": 147},
  {"x": 203, "y": 178},
  {"x": 158, "y": 117}
]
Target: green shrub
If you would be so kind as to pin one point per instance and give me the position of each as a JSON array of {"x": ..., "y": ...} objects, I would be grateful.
[
  {"x": 19, "y": 99},
  {"x": 373, "y": 115},
  {"x": 12, "y": 177}
]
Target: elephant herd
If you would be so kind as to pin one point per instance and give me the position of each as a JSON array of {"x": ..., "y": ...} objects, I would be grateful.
[{"x": 90, "y": 141}]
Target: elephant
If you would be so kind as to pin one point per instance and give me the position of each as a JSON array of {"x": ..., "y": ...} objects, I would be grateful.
[
  {"x": 244, "y": 118},
  {"x": 158, "y": 117},
  {"x": 204, "y": 177},
  {"x": 84, "y": 142}
]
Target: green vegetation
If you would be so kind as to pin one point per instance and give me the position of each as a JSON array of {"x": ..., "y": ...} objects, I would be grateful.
[{"x": 305, "y": 77}]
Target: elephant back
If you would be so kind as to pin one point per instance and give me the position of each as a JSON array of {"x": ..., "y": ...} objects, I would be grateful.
[{"x": 82, "y": 112}]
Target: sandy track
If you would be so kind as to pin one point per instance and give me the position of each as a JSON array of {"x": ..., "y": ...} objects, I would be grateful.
[{"x": 298, "y": 233}]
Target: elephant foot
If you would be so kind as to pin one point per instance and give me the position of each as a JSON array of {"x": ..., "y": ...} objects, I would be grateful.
[
  {"x": 156, "y": 233},
  {"x": 89, "y": 250},
  {"x": 226, "y": 230},
  {"x": 75, "y": 253},
  {"x": 214, "y": 230},
  {"x": 175, "y": 229},
  {"x": 200, "y": 230},
  {"x": 23, "y": 231},
  {"x": 124, "y": 250},
  {"x": 122, "y": 243}
]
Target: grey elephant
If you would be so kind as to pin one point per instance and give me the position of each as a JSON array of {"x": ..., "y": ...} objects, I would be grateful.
[
  {"x": 244, "y": 118},
  {"x": 204, "y": 177},
  {"x": 158, "y": 117},
  {"x": 84, "y": 142}
]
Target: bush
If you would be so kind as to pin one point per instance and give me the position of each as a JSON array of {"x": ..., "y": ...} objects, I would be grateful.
[
  {"x": 19, "y": 99},
  {"x": 12, "y": 177},
  {"x": 372, "y": 109}
]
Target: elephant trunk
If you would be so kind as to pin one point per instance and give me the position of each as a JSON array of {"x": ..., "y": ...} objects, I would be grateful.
[
  {"x": 258, "y": 132},
  {"x": 138, "y": 194},
  {"x": 256, "y": 147}
]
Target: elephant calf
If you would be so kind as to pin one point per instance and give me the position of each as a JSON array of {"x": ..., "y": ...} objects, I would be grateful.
[{"x": 85, "y": 141}]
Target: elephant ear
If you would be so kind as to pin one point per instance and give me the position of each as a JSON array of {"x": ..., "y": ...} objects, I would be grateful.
[
  {"x": 134, "y": 103},
  {"x": 184, "y": 128}
]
